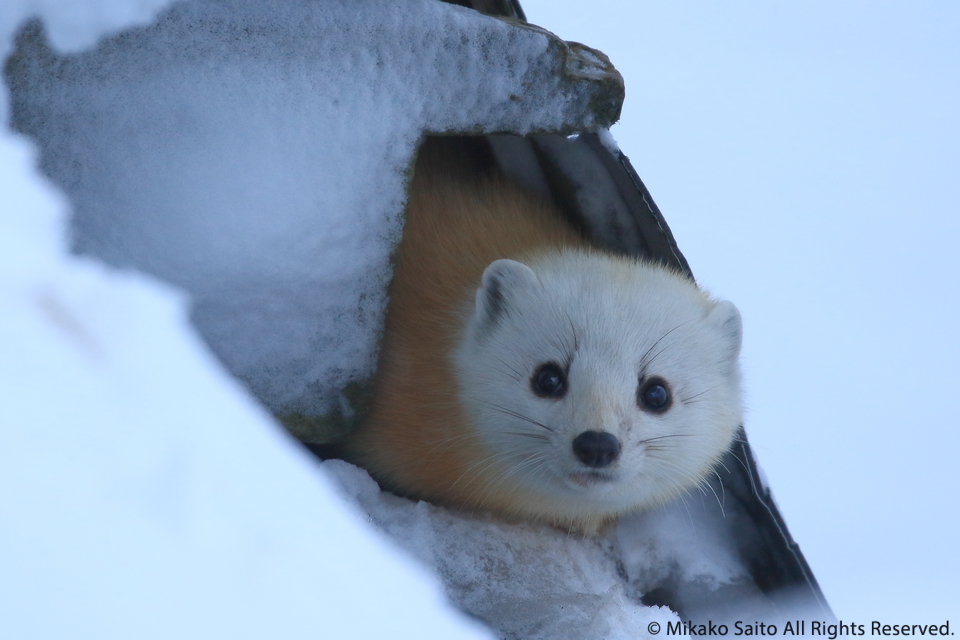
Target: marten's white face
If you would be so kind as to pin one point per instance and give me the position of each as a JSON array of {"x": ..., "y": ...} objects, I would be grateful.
[{"x": 598, "y": 384}]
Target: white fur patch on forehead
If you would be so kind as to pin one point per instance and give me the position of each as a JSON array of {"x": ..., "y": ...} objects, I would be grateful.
[
  {"x": 620, "y": 292},
  {"x": 616, "y": 307}
]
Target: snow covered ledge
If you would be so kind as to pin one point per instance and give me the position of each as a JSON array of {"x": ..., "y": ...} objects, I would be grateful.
[
  {"x": 256, "y": 155},
  {"x": 144, "y": 493}
]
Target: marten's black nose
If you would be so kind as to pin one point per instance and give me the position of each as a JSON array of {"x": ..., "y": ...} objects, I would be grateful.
[{"x": 596, "y": 449}]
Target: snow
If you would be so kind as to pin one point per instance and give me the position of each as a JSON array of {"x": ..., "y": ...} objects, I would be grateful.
[
  {"x": 73, "y": 26},
  {"x": 144, "y": 493},
  {"x": 524, "y": 580},
  {"x": 267, "y": 179}
]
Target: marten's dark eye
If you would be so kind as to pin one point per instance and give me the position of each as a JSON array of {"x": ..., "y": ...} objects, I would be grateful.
[
  {"x": 549, "y": 381},
  {"x": 654, "y": 395}
]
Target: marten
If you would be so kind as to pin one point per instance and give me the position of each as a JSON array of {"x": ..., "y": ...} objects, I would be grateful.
[{"x": 528, "y": 372}]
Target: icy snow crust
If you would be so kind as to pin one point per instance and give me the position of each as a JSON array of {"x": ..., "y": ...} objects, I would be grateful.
[{"x": 256, "y": 155}]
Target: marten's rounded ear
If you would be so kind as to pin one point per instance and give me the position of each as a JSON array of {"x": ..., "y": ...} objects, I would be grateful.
[
  {"x": 501, "y": 282},
  {"x": 726, "y": 318}
]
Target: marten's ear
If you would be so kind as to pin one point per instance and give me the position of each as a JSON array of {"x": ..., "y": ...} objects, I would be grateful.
[
  {"x": 502, "y": 281},
  {"x": 725, "y": 317}
]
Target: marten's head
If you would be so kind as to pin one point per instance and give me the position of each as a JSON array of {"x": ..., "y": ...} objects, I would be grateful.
[{"x": 601, "y": 385}]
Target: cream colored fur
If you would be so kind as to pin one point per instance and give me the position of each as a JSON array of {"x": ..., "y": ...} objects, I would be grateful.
[{"x": 489, "y": 284}]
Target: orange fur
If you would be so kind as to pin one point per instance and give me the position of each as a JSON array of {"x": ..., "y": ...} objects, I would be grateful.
[{"x": 415, "y": 440}]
